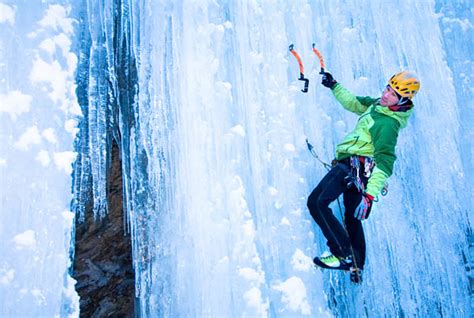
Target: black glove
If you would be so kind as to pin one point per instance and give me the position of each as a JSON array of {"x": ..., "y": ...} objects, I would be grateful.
[{"x": 328, "y": 80}]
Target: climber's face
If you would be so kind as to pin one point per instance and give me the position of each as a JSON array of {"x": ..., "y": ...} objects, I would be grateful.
[{"x": 389, "y": 97}]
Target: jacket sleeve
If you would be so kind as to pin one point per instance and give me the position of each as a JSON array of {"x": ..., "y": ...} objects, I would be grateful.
[
  {"x": 348, "y": 100},
  {"x": 367, "y": 100},
  {"x": 384, "y": 136}
]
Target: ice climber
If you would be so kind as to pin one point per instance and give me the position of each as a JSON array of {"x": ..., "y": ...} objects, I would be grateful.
[{"x": 364, "y": 161}]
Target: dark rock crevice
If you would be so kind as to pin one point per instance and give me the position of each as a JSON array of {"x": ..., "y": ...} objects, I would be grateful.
[{"x": 103, "y": 256}]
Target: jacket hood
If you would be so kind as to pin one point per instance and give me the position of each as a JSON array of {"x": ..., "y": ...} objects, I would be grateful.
[{"x": 402, "y": 117}]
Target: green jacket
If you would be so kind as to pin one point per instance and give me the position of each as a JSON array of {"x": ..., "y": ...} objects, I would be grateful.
[{"x": 375, "y": 135}]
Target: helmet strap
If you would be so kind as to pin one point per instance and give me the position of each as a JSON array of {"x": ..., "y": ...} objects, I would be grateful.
[{"x": 402, "y": 101}]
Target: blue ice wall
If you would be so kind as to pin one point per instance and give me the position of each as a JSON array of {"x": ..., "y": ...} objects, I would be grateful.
[{"x": 203, "y": 99}]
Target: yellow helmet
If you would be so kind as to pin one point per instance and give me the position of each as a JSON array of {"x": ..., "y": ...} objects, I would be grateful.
[{"x": 406, "y": 84}]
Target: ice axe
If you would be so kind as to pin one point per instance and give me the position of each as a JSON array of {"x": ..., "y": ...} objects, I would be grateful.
[
  {"x": 302, "y": 78},
  {"x": 320, "y": 57}
]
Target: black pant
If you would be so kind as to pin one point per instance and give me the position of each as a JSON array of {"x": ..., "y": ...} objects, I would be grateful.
[{"x": 327, "y": 191}]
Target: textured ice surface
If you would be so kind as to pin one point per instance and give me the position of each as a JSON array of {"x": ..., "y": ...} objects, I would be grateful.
[{"x": 204, "y": 100}]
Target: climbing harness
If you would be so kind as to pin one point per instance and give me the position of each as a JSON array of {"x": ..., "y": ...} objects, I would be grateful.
[
  {"x": 300, "y": 63},
  {"x": 353, "y": 174},
  {"x": 355, "y": 162}
]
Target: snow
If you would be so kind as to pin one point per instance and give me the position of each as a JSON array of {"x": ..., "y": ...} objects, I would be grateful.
[
  {"x": 56, "y": 17},
  {"x": 68, "y": 216},
  {"x": 38, "y": 121},
  {"x": 50, "y": 135},
  {"x": 239, "y": 130},
  {"x": 39, "y": 296},
  {"x": 251, "y": 274},
  {"x": 465, "y": 24},
  {"x": 15, "y": 103},
  {"x": 64, "y": 160},
  {"x": 273, "y": 191},
  {"x": 43, "y": 158},
  {"x": 56, "y": 78},
  {"x": 289, "y": 148},
  {"x": 53, "y": 75},
  {"x": 64, "y": 43},
  {"x": 285, "y": 221},
  {"x": 70, "y": 307},
  {"x": 25, "y": 240},
  {"x": 7, "y": 14},
  {"x": 7, "y": 277},
  {"x": 48, "y": 45},
  {"x": 293, "y": 295},
  {"x": 254, "y": 300},
  {"x": 30, "y": 137},
  {"x": 71, "y": 126},
  {"x": 301, "y": 262}
]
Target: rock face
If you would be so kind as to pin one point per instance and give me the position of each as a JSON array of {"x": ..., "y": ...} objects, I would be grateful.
[{"x": 103, "y": 257}]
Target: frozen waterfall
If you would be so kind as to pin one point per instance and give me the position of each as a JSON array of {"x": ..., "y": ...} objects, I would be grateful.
[{"x": 203, "y": 100}]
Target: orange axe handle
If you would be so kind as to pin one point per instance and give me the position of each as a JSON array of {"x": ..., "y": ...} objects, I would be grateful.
[
  {"x": 320, "y": 57},
  {"x": 300, "y": 63}
]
